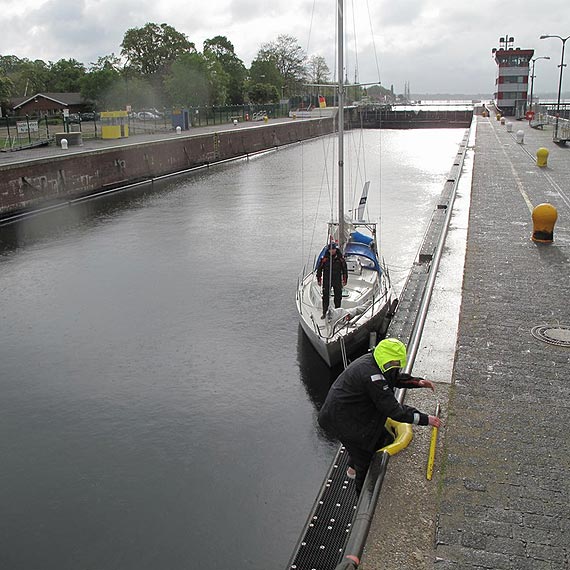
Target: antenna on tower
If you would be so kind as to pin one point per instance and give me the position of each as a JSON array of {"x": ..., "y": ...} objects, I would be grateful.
[{"x": 506, "y": 42}]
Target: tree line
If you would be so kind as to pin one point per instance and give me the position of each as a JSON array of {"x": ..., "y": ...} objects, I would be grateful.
[{"x": 159, "y": 66}]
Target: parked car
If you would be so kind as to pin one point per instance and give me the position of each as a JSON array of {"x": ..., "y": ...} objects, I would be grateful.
[
  {"x": 147, "y": 116},
  {"x": 73, "y": 118},
  {"x": 89, "y": 116}
]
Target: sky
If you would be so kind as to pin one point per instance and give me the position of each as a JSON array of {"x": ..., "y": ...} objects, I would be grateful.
[{"x": 435, "y": 46}]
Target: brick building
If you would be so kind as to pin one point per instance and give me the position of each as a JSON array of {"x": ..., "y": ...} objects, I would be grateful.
[{"x": 42, "y": 104}]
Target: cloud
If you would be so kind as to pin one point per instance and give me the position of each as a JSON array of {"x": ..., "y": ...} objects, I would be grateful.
[{"x": 435, "y": 45}]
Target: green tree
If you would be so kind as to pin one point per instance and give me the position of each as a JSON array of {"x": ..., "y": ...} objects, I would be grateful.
[
  {"x": 187, "y": 83},
  {"x": 6, "y": 87},
  {"x": 104, "y": 85},
  {"x": 140, "y": 92},
  {"x": 261, "y": 93},
  {"x": 219, "y": 82},
  {"x": 9, "y": 64},
  {"x": 265, "y": 71},
  {"x": 110, "y": 61},
  {"x": 151, "y": 49},
  {"x": 317, "y": 69},
  {"x": 379, "y": 93},
  {"x": 27, "y": 77},
  {"x": 222, "y": 50},
  {"x": 263, "y": 74},
  {"x": 65, "y": 76},
  {"x": 289, "y": 58}
]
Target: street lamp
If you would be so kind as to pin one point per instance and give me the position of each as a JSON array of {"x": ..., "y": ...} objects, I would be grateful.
[
  {"x": 532, "y": 76},
  {"x": 543, "y": 37}
]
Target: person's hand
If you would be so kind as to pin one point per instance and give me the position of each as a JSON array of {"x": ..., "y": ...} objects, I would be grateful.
[
  {"x": 434, "y": 421},
  {"x": 427, "y": 384},
  {"x": 344, "y": 280},
  {"x": 319, "y": 280}
]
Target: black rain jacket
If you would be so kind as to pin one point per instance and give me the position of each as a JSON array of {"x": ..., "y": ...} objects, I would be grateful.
[
  {"x": 339, "y": 268},
  {"x": 360, "y": 401}
]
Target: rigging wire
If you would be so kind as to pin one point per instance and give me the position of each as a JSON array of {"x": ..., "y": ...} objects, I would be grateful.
[
  {"x": 356, "y": 73},
  {"x": 374, "y": 49},
  {"x": 373, "y": 41},
  {"x": 311, "y": 26}
]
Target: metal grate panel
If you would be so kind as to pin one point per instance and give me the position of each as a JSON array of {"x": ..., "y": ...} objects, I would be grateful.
[{"x": 328, "y": 527}]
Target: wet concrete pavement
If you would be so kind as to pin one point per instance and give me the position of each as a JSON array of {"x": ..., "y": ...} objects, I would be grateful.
[{"x": 500, "y": 492}]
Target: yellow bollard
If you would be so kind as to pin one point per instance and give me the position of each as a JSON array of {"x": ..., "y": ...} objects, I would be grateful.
[
  {"x": 498, "y": 116},
  {"x": 541, "y": 157},
  {"x": 265, "y": 118},
  {"x": 544, "y": 217}
]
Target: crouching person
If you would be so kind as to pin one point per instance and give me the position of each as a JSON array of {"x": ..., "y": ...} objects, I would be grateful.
[{"x": 362, "y": 398}]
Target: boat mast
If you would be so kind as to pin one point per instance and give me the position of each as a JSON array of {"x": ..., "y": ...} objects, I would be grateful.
[{"x": 340, "y": 57}]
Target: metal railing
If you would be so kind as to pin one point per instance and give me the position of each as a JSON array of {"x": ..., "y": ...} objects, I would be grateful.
[
  {"x": 27, "y": 131},
  {"x": 542, "y": 118}
]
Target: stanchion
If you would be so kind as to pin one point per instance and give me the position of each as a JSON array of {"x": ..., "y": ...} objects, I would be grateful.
[{"x": 432, "y": 447}]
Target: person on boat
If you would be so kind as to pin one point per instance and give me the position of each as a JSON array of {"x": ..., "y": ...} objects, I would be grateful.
[
  {"x": 332, "y": 270},
  {"x": 362, "y": 398}
]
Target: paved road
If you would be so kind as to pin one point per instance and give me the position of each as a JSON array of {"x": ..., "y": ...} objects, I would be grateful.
[{"x": 499, "y": 498}]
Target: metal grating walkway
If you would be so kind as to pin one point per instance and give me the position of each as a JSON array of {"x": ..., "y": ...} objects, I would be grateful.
[{"x": 322, "y": 541}]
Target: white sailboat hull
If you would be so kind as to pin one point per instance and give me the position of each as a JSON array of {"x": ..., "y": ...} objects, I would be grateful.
[{"x": 330, "y": 334}]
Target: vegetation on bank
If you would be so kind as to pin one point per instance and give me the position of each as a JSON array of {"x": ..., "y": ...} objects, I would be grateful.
[{"x": 159, "y": 66}]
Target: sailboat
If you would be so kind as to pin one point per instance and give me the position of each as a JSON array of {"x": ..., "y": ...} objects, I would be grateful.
[{"x": 367, "y": 298}]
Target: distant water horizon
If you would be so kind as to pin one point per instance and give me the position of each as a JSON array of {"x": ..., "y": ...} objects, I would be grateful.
[{"x": 439, "y": 97}]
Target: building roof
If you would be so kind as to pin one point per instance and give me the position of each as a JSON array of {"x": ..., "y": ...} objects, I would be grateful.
[{"x": 61, "y": 98}]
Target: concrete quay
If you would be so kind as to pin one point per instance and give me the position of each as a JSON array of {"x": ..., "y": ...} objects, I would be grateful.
[{"x": 501, "y": 487}]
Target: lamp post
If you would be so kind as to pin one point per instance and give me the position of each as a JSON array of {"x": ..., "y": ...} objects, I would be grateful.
[
  {"x": 532, "y": 76},
  {"x": 543, "y": 37}
]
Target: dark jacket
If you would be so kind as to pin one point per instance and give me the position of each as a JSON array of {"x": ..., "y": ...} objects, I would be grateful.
[
  {"x": 360, "y": 400},
  {"x": 339, "y": 268}
]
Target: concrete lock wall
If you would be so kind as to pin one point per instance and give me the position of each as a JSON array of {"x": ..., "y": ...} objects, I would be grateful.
[{"x": 36, "y": 183}]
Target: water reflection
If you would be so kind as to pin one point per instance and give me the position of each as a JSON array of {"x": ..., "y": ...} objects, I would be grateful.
[
  {"x": 316, "y": 376},
  {"x": 157, "y": 390}
]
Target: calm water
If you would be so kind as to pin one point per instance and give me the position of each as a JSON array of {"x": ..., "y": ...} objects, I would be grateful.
[{"x": 159, "y": 403}]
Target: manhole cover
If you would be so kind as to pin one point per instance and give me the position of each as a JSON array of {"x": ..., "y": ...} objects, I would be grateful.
[{"x": 558, "y": 335}]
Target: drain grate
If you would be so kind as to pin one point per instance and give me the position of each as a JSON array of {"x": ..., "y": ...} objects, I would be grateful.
[{"x": 558, "y": 334}]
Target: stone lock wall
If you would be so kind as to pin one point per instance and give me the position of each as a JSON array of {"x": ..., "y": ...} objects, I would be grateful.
[{"x": 36, "y": 183}]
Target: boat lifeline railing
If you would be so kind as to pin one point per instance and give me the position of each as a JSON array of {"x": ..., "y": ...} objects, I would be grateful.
[
  {"x": 366, "y": 505},
  {"x": 344, "y": 323}
]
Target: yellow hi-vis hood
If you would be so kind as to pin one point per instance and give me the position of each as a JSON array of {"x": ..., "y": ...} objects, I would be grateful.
[{"x": 390, "y": 353}]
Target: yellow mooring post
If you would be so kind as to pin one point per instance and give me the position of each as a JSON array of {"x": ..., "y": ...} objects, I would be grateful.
[
  {"x": 432, "y": 446},
  {"x": 542, "y": 157},
  {"x": 544, "y": 217}
]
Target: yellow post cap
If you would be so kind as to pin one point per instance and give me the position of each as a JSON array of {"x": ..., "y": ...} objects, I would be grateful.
[{"x": 544, "y": 217}]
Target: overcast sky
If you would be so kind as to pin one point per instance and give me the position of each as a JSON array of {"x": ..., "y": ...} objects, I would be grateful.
[{"x": 434, "y": 45}]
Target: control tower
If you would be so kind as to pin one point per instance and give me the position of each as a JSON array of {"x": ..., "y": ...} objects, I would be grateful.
[{"x": 511, "y": 83}]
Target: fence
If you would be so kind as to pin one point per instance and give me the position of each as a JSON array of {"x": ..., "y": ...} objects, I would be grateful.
[{"x": 20, "y": 132}]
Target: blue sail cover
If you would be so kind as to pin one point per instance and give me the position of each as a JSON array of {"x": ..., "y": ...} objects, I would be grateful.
[
  {"x": 363, "y": 250},
  {"x": 354, "y": 249}
]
